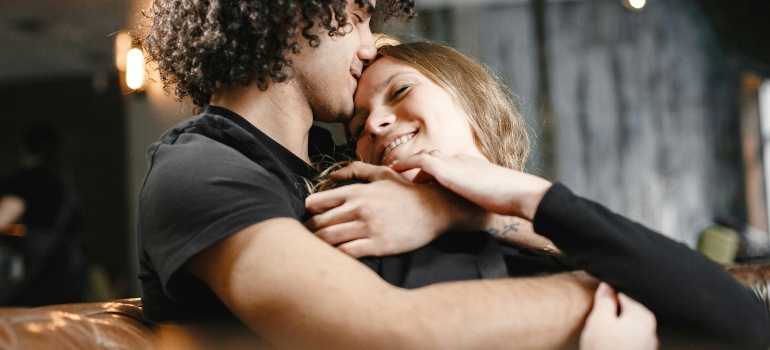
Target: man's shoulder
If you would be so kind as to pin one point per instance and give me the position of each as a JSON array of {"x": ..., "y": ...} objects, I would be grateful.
[
  {"x": 208, "y": 140},
  {"x": 206, "y": 130}
]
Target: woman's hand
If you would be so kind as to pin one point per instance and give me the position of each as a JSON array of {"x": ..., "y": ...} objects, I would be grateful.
[
  {"x": 495, "y": 188},
  {"x": 634, "y": 327},
  {"x": 388, "y": 216}
]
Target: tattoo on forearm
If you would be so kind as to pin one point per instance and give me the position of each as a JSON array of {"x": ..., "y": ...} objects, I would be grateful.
[{"x": 512, "y": 228}]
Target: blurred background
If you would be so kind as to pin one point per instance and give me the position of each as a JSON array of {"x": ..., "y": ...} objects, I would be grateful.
[{"x": 659, "y": 109}]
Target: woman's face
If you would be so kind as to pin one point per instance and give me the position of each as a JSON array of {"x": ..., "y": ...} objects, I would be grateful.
[{"x": 400, "y": 112}]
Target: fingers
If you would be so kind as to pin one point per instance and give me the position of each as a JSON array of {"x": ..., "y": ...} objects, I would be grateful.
[
  {"x": 320, "y": 202},
  {"x": 420, "y": 160},
  {"x": 642, "y": 318},
  {"x": 331, "y": 217},
  {"x": 359, "y": 170},
  {"x": 604, "y": 300},
  {"x": 423, "y": 177},
  {"x": 631, "y": 307},
  {"x": 342, "y": 233},
  {"x": 360, "y": 248}
]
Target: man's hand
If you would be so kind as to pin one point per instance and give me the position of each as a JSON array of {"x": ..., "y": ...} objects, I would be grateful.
[
  {"x": 495, "y": 188},
  {"x": 388, "y": 216},
  {"x": 634, "y": 327}
]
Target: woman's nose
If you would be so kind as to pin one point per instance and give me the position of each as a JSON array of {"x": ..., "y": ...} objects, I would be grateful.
[{"x": 377, "y": 124}]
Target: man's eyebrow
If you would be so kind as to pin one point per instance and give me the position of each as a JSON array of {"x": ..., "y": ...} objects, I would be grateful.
[{"x": 367, "y": 7}]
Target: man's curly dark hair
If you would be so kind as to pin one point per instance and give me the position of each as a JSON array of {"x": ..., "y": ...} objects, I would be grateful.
[{"x": 197, "y": 43}]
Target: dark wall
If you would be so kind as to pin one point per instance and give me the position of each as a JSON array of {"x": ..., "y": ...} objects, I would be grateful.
[
  {"x": 89, "y": 116},
  {"x": 645, "y": 106}
]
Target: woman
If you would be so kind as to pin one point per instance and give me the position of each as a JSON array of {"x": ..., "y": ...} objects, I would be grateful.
[{"x": 432, "y": 114}]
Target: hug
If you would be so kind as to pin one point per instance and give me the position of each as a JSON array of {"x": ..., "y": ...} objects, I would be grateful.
[{"x": 436, "y": 237}]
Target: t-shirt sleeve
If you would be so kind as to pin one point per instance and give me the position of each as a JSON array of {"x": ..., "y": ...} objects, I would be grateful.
[
  {"x": 681, "y": 286},
  {"x": 196, "y": 193}
]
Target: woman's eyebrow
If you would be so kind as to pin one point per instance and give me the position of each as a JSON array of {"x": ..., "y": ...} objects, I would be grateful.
[{"x": 381, "y": 86}]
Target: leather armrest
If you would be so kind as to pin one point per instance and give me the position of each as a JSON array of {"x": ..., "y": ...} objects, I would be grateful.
[
  {"x": 756, "y": 276},
  {"x": 105, "y": 325}
]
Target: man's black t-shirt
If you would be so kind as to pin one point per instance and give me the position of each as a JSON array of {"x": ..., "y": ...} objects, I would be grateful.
[
  {"x": 216, "y": 174},
  {"x": 208, "y": 178}
]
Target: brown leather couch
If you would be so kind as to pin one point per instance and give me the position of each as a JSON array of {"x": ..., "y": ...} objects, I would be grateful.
[{"x": 118, "y": 324}]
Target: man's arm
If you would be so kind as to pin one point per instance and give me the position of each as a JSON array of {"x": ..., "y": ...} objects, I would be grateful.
[{"x": 297, "y": 291}]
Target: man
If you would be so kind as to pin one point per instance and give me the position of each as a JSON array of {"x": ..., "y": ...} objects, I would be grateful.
[{"x": 221, "y": 210}]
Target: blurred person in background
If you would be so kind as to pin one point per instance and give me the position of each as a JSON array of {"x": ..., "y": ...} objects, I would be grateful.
[{"x": 42, "y": 198}]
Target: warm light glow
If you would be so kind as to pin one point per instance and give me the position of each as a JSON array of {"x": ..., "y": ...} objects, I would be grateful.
[
  {"x": 122, "y": 45},
  {"x": 135, "y": 68},
  {"x": 637, "y": 4}
]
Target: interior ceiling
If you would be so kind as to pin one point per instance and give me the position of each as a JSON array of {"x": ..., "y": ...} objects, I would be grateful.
[{"x": 45, "y": 38}]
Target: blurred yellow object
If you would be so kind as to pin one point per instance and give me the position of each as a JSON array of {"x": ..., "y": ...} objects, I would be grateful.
[
  {"x": 719, "y": 243},
  {"x": 16, "y": 230}
]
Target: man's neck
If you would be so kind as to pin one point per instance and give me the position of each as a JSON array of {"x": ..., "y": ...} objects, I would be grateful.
[{"x": 281, "y": 112}]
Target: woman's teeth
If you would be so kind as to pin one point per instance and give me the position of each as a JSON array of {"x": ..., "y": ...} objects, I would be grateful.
[{"x": 396, "y": 142}]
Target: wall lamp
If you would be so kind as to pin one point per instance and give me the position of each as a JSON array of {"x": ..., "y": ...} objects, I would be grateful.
[
  {"x": 129, "y": 59},
  {"x": 634, "y": 5}
]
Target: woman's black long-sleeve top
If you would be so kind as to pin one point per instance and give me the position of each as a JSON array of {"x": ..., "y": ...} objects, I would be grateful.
[{"x": 684, "y": 289}]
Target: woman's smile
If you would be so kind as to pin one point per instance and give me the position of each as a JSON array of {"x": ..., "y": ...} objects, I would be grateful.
[{"x": 401, "y": 112}]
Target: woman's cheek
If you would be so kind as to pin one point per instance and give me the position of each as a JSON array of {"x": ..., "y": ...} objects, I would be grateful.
[{"x": 364, "y": 153}]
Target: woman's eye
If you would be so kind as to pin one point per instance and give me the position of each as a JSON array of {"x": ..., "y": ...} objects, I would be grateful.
[
  {"x": 358, "y": 18},
  {"x": 398, "y": 92},
  {"x": 358, "y": 131}
]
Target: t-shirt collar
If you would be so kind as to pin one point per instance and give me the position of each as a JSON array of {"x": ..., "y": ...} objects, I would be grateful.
[{"x": 289, "y": 159}]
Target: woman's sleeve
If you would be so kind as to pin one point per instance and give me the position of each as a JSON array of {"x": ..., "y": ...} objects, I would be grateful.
[{"x": 682, "y": 287}]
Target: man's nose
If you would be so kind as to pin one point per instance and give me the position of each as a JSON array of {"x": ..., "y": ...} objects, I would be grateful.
[{"x": 368, "y": 50}]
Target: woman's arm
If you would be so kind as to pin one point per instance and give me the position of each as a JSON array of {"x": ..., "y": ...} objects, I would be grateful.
[
  {"x": 680, "y": 286},
  {"x": 383, "y": 218},
  {"x": 518, "y": 232}
]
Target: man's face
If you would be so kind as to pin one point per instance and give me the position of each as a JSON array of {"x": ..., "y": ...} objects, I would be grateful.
[{"x": 328, "y": 75}]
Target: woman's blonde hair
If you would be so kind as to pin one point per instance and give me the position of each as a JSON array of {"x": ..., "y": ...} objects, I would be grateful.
[{"x": 499, "y": 130}]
